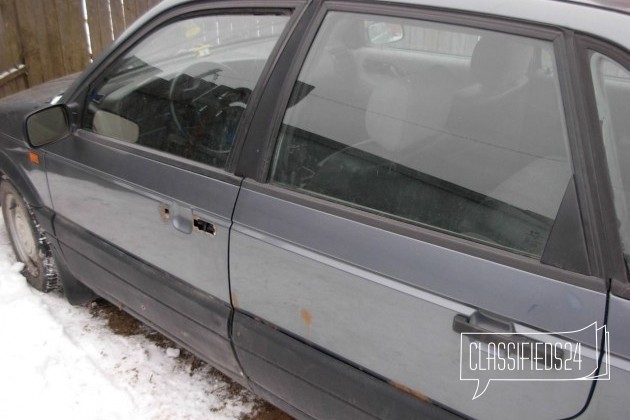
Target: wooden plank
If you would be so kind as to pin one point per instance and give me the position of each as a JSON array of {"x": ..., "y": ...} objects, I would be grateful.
[
  {"x": 13, "y": 74},
  {"x": 153, "y": 3},
  {"x": 131, "y": 11},
  {"x": 31, "y": 21},
  {"x": 52, "y": 51},
  {"x": 13, "y": 87},
  {"x": 73, "y": 40},
  {"x": 100, "y": 28},
  {"x": 118, "y": 19},
  {"x": 143, "y": 7},
  {"x": 94, "y": 25},
  {"x": 49, "y": 36},
  {"x": 11, "y": 51}
]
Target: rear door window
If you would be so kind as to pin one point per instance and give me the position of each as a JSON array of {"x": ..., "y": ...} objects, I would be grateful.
[
  {"x": 612, "y": 92},
  {"x": 450, "y": 128}
]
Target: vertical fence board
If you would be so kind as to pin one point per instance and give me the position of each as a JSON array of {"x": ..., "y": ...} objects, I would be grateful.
[
  {"x": 52, "y": 51},
  {"x": 136, "y": 8},
  {"x": 131, "y": 11},
  {"x": 100, "y": 28},
  {"x": 32, "y": 24},
  {"x": 11, "y": 51},
  {"x": 48, "y": 37},
  {"x": 118, "y": 19},
  {"x": 13, "y": 86},
  {"x": 143, "y": 6},
  {"x": 93, "y": 23},
  {"x": 73, "y": 41}
]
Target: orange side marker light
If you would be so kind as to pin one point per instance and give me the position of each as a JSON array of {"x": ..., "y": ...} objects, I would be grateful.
[{"x": 34, "y": 157}]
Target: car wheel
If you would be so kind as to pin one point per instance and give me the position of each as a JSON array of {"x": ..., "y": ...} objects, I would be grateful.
[{"x": 28, "y": 241}]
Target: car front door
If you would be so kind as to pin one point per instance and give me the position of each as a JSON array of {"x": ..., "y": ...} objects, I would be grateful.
[
  {"x": 420, "y": 209},
  {"x": 141, "y": 190}
]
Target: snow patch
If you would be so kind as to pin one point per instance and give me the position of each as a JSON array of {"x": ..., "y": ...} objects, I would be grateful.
[{"x": 59, "y": 361}]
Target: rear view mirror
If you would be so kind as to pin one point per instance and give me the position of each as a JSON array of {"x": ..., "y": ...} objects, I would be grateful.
[
  {"x": 380, "y": 33},
  {"x": 47, "y": 125}
]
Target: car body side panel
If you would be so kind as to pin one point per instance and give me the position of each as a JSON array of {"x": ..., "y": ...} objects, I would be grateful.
[
  {"x": 387, "y": 302},
  {"x": 610, "y": 400},
  {"x": 28, "y": 177},
  {"x": 86, "y": 181},
  {"x": 15, "y": 107},
  {"x": 118, "y": 239},
  {"x": 194, "y": 320},
  {"x": 319, "y": 385}
]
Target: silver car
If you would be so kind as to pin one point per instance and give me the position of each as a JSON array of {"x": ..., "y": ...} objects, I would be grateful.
[{"x": 356, "y": 209}]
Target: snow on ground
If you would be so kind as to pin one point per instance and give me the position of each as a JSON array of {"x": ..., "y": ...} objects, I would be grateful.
[{"x": 60, "y": 361}]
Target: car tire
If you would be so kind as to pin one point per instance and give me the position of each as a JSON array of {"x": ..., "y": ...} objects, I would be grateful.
[{"x": 29, "y": 242}]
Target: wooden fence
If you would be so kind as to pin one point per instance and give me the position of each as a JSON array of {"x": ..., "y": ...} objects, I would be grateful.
[{"x": 44, "y": 39}]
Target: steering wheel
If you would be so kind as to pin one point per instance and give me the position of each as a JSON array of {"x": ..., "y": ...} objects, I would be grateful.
[
  {"x": 190, "y": 86},
  {"x": 205, "y": 110}
]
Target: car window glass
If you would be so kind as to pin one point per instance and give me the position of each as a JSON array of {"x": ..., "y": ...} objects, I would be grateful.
[
  {"x": 183, "y": 89},
  {"x": 459, "y": 130},
  {"x": 612, "y": 91}
]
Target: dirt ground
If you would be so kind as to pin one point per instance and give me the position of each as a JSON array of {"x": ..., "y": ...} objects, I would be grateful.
[{"x": 123, "y": 324}]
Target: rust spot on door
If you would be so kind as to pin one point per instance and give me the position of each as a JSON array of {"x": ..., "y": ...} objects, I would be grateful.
[
  {"x": 234, "y": 300},
  {"x": 307, "y": 317},
  {"x": 165, "y": 213},
  {"x": 419, "y": 395}
]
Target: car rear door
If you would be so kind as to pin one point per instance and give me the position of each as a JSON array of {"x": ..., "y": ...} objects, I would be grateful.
[
  {"x": 606, "y": 73},
  {"x": 142, "y": 191},
  {"x": 420, "y": 211}
]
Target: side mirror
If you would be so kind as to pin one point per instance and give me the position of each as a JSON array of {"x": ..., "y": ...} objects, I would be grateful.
[
  {"x": 380, "y": 33},
  {"x": 47, "y": 125}
]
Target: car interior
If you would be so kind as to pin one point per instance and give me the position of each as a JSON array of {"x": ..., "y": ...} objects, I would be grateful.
[{"x": 185, "y": 98}]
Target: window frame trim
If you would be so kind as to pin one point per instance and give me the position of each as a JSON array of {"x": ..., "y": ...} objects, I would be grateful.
[
  {"x": 563, "y": 50},
  {"x": 434, "y": 237},
  {"x": 603, "y": 198}
]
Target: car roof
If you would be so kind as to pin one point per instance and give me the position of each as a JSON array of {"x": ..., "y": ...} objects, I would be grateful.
[
  {"x": 609, "y": 19},
  {"x": 617, "y": 5}
]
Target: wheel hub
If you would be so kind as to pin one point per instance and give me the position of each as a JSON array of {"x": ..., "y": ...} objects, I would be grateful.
[{"x": 24, "y": 235}]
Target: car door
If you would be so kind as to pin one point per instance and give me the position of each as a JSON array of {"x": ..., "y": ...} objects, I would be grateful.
[
  {"x": 142, "y": 191},
  {"x": 607, "y": 81},
  {"x": 422, "y": 195}
]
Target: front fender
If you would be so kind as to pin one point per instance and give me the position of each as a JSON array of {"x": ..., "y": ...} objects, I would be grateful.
[
  {"x": 28, "y": 178},
  {"x": 75, "y": 291}
]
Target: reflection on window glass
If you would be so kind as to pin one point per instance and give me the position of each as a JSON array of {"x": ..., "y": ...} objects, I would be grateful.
[
  {"x": 183, "y": 89},
  {"x": 470, "y": 141},
  {"x": 612, "y": 90},
  {"x": 437, "y": 40}
]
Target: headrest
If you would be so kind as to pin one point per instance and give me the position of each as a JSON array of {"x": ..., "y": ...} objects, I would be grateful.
[
  {"x": 500, "y": 61},
  {"x": 402, "y": 112}
]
